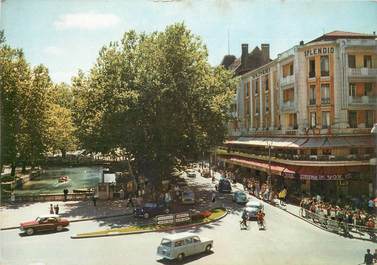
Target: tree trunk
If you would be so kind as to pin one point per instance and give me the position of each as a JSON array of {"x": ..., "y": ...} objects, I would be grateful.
[
  {"x": 13, "y": 170},
  {"x": 64, "y": 153},
  {"x": 23, "y": 167}
]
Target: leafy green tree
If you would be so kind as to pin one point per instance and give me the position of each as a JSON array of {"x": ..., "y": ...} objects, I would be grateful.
[
  {"x": 157, "y": 97},
  {"x": 60, "y": 129},
  {"x": 14, "y": 82}
]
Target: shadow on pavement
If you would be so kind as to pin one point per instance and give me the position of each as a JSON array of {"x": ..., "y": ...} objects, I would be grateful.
[
  {"x": 42, "y": 233},
  {"x": 186, "y": 259}
]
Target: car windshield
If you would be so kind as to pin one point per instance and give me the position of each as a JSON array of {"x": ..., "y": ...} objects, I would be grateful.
[
  {"x": 187, "y": 193},
  {"x": 166, "y": 243}
]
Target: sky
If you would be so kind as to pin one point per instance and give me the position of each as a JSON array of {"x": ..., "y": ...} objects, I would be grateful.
[{"x": 66, "y": 35}]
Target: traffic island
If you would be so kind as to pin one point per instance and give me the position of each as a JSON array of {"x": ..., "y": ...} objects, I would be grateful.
[{"x": 197, "y": 219}]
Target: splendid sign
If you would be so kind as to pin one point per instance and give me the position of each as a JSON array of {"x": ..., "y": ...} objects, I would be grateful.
[{"x": 318, "y": 51}]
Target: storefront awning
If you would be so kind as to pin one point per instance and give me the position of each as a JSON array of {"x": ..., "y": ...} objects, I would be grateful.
[
  {"x": 275, "y": 169},
  {"x": 265, "y": 142}
]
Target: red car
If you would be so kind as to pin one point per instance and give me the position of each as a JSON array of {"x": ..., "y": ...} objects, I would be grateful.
[{"x": 51, "y": 222}]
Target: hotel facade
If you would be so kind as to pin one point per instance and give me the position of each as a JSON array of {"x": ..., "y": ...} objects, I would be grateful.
[{"x": 304, "y": 120}]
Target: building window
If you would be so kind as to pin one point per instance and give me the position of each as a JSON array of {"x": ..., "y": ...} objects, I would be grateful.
[
  {"x": 267, "y": 83},
  {"x": 352, "y": 119},
  {"x": 325, "y": 119},
  {"x": 256, "y": 105},
  {"x": 325, "y": 93},
  {"x": 291, "y": 69},
  {"x": 369, "y": 118},
  {"x": 295, "y": 126},
  {"x": 313, "y": 120},
  {"x": 353, "y": 151},
  {"x": 326, "y": 152},
  {"x": 368, "y": 89},
  {"x": 352, "y": 90},
  {"x": 311, "y": 68},
  {"x": 247, "y": 87},
  {"x": 312, "y": 95},
  {"x": 367, "y": 61},
  {"x": 266, "y": 103},
  {"x": 256, "y": 87},
  {"x": 325, "y": 66},
  {"x": 351, "y": 61}
]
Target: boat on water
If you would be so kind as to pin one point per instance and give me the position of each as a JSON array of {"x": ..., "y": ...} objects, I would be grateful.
[{"x": 63, "y": 179}]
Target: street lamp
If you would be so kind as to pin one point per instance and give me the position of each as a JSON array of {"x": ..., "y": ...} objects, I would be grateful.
[{"x": 269, "y": 146}]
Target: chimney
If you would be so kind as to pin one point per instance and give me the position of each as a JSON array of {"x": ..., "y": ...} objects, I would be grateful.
[
  {"x": 301, "y": 42},
  {"x": 266, "y": 50},
  {"x": 245, "y": 52}
]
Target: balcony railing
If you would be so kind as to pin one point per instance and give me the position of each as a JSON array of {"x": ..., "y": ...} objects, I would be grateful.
[
  {"x": 311, "y": 74},
  {"x": 288, "y": 106},
  {"x": 263, "y": 155},
  {"x": 288, "y": 80},
  {"x": 325, "y": 100},
  {"x": 362, "y": 100},
  {"x": 362, "y": 72},
  {"x": 312, "y": 101}
]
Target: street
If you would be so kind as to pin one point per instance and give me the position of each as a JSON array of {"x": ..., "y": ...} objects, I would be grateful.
[{"x": 287, "y": 240}]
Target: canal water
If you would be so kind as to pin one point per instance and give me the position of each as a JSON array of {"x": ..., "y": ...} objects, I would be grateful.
[{"x": 47, "y": 182}]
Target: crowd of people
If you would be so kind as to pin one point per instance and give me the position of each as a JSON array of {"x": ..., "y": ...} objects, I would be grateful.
[{"x": 345, "y": 214}]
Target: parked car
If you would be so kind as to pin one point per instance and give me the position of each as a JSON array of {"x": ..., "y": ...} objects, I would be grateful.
[
  {"x": 224, "y": 185},
  {"x": 51, "y": 222},
  {"x": 191, "y": 173},
  {"x": 150, "y": 209},
  {"x": 180, "y": 245},
  {"x": 240, "y": 197},
  {"x": 252, "y": 208},
  {"x": 188, "y": 197}
]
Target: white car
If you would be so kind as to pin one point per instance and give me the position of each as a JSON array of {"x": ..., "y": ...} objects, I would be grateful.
[
  {"x": 180, "y": 245},
  {"x": 188, "y": 197},
  {"x": 252, "y": 208}
]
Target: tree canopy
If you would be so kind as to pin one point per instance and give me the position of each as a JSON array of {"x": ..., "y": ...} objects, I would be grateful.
[{"x": 155, "y": 96}]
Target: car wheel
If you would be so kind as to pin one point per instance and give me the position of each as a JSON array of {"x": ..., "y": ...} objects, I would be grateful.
[
  {"x": 59, "y": 228},
  {"x": 29, "y": 231},
  {"x": 180, "y": 257},
  {"x": 146, "y": 215},
  {"x": 208, "y": 248},
  {"x": 167, "y": 211}
]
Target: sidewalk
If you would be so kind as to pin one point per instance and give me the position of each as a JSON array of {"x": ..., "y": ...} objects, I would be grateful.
[{"x": 13, "y": 215}]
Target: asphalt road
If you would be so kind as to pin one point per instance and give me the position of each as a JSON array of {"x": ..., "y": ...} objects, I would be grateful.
[{"x": 287, "y": 240}]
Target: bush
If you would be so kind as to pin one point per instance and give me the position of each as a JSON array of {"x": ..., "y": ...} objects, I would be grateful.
[{"x": 7, "y": 178}]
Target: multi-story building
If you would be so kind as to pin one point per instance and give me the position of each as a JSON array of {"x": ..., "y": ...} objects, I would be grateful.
[{"x": 305, "y": 118}]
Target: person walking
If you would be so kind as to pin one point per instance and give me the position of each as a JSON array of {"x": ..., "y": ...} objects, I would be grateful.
[
  {"x": 213, "y": 198},
  {"x": 94, "y": 198},
  {"x": 368, "y": 258},
  {"x": 56, "y": 208},
  {"x": 65, "y": 192},
  {"x": 130, "y": 201},
  {"x": 51, "y": 209}
]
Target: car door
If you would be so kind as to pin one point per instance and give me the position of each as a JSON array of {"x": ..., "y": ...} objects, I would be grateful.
[
  {"x": 197, "y": 245},
  {"x": 189, "y": 246},
  {"x": 43, "y": 225},
  {"x": 51, "y": 224}
]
